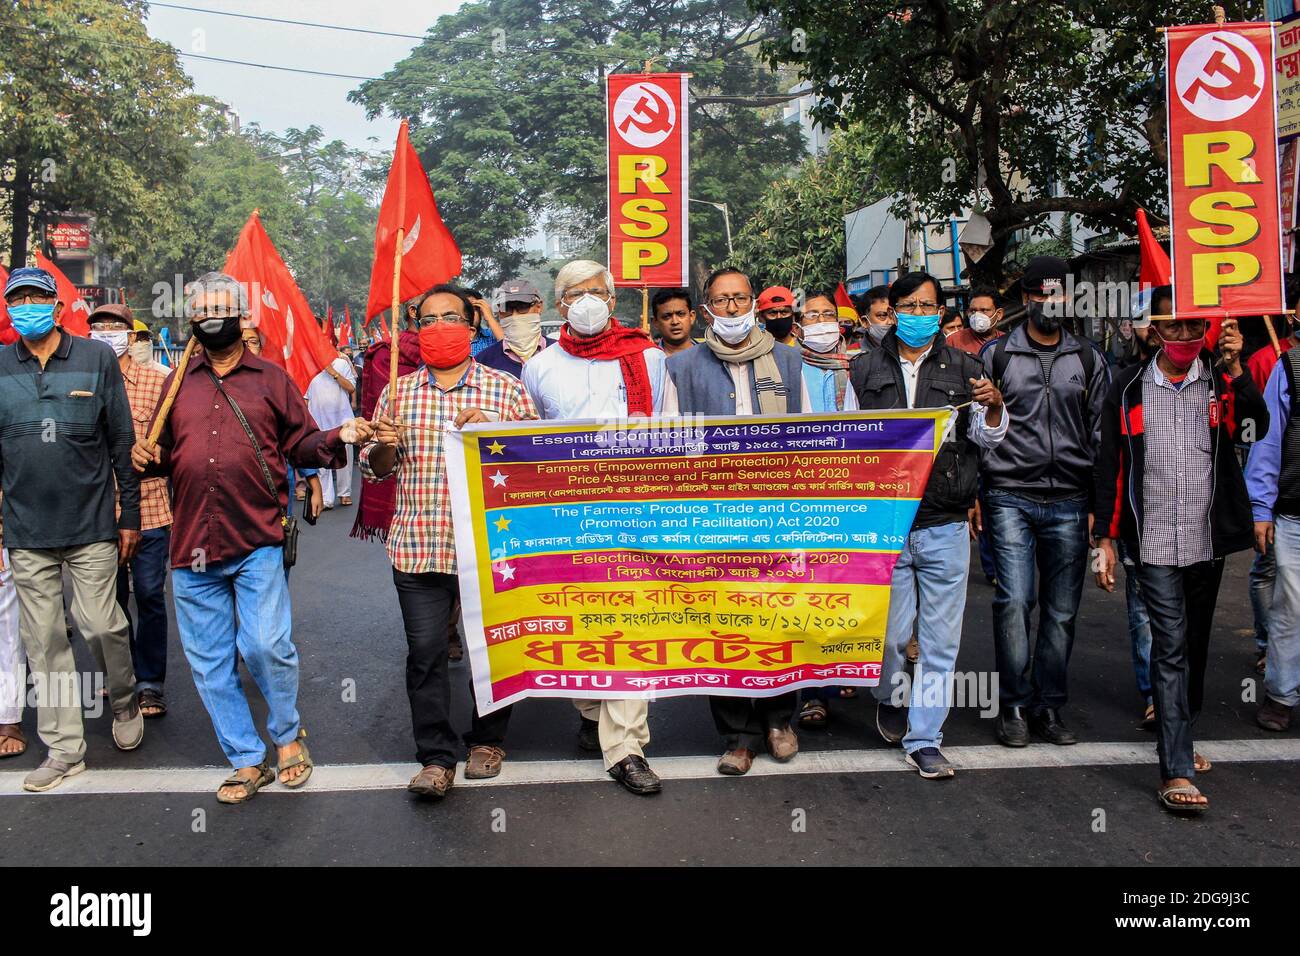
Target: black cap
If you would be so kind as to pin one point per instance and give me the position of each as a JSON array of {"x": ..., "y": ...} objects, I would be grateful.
[{"x": 1043, "y": 273}]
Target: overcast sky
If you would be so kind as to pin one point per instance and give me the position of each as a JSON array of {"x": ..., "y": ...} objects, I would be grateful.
[{"x": 276, "y": 99}]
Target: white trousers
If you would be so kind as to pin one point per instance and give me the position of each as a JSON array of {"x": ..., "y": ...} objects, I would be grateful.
[{"x": 13, "y": 656}]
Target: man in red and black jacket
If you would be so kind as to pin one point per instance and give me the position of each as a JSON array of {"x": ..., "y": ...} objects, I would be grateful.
[{"x": 1169, "y": 485}]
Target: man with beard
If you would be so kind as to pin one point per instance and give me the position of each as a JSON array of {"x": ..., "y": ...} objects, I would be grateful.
[{"x": 1038, "y": 485}]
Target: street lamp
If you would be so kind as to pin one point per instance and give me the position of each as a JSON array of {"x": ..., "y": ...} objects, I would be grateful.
[{"x": 726, "y": 219}]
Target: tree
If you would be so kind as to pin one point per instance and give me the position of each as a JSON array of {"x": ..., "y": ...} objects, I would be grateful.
[
  {"x": 506, "y": 101},
  {"x": 1022, "y": 108},
  {"x": 94, "y": 115},
  {"x": 796, "y": 236}
]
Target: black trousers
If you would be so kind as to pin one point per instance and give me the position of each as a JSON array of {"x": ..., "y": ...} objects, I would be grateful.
[
  {"x": 1180, "y": 604},
  {"x": 745, "y": 721},
  {"x": 427, "y": 602}
]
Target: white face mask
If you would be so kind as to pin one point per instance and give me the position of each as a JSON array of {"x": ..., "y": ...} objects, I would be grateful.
[
  {"x": 732, "y": 329},
  {"x": 141, "y": 352},
  {"x": 523, "y": 333},
  {"x": 980, "y": 323},
  {"x": 821, "y": 337},
  {"x": 117, "y": 341},
  {"x": 588, "y": 315}
]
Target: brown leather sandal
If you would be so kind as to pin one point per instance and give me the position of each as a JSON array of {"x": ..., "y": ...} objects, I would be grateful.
[
  {"x": 13, "y": 732},
  {"x": 248, "y": 788}
]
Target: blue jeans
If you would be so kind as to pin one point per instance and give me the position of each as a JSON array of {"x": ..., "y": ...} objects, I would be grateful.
[
  {"x": 253, "y": 589},
  {"x": 1263, "y": 574},
  {"x": 1282, "y": 672},
  {"x": 930, "y": 575},
  {"x": 148, "y": 570},
  {"x": 1139, "y": 623},
  {"x": 1053, "y": 539}
]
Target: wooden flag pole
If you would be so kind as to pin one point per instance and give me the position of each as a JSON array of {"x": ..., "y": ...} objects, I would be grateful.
[
  {"x": 161, "y": 418},
  {"x": 645, "y": 309},
  {"x": 1272, "y": 335},
  {"x": 399, "y": 157}
]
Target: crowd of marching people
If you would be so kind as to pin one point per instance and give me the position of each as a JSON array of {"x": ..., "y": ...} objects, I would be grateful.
[{"x": 1066, "y": 463}]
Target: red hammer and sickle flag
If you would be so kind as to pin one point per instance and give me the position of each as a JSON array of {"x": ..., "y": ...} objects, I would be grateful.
[
  {"x": 1241, "y": 79},
  {"x": 650, "y": 115},
  {"x": 278, "y": 309},
  {"x": 429, "y": 253}
]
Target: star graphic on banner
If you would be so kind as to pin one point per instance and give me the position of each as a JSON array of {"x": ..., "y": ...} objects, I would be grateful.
[
  {"x": 506, "y": 571},
  {"x": 498, "y": 480},
  {"x": 496, "y": 448},
  {"x": 503, "y": 523}
]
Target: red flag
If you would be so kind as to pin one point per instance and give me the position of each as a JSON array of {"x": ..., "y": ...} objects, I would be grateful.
[
  {"x": 8, "y": 335},
  {"x": 279, "y": 310},
  {"x": 75, "y": 309},
  {"x": 345, "y": 332},
  {"x": 844, "y": 305},
  {"x": 1155, "y": 261},
  {"x": 429, "y": 253}
]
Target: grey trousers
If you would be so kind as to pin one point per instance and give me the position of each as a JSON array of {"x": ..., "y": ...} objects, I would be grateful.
[{"x": 38, "y": 579}]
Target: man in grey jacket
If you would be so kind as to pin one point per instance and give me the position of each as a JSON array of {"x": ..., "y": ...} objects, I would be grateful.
[{"x": 1038, "y": 483}]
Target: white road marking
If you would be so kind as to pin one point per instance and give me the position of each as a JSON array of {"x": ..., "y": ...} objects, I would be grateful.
[{"x": 334, "y": 778}]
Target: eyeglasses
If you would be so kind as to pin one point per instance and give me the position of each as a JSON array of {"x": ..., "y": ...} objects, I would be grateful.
[
  {"x": 917, "y": 308},
  {"x": 573, "y": 295},
  {"x": 741, "y": 301},
  {"x": 825, "y": 316},
  {"x": 109, "y": 327},
  {"x": 26, "y": 298},
  {"x": 516, "y": 308},
  {"x": 447, "y": 318}
]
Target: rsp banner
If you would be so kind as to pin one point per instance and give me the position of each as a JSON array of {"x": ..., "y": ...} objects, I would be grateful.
[
  {"x": 1223, "y": 175},
  {"x": 659, "y": 557},
  {"x": 649, "y": 140}
]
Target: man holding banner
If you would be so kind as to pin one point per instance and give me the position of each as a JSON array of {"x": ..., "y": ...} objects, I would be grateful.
[
  {"x": 449, "y": 388},
  {"x": 606, "y": 371},
  {"x": 741, "y": 370}
]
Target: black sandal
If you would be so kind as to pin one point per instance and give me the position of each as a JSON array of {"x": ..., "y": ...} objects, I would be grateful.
[{"x": 152, "y": 698}]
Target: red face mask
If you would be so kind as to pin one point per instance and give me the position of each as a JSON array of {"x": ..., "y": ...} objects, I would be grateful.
[
  {"x": 444, "y": 345},
  {"x": 1183, "y": 353}
]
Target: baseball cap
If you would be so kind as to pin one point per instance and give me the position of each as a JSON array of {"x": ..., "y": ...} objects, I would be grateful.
[
  {"x": 112, "y": 310},
  {"x": 519, "y": 290},
  {"x": 30, "y": 277},
  {"x": 1045, "y": 275},
  {"x": 774, "y": 296}
]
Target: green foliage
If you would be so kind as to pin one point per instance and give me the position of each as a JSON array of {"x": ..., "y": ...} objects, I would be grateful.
[
  {"x": 1021, "y": 108},
  {"x": 796, "y": 236},
  {"x": 506, "y": 101},
  {"x": 94, "y": 115}
]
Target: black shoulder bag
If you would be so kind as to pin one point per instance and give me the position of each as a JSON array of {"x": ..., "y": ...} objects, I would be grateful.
[{"x": 289, "y": 525}]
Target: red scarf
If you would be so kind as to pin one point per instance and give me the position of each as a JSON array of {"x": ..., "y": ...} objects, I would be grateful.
[{"x": 629, "y": 346}]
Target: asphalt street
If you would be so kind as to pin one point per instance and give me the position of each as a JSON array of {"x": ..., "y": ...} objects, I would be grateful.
[{"x": 862, "y": 809}]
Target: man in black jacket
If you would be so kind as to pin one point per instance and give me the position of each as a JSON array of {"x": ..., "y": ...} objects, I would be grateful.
[
  {"x": 1037, "y": 486},
  {"x": 915, "y": 368},
  {"x": 1169, "y": 485}
]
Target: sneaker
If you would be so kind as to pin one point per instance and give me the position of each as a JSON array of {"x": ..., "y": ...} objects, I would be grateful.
[
  {"x": 931, "y": 764},
  {"x": 128, "y": 728},
  {"x": 50, "y": 774},
  {"x": 891, "y": 722}
]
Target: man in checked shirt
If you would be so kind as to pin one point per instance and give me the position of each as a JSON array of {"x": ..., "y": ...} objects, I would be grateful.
[{"x": 449, "y": 390}]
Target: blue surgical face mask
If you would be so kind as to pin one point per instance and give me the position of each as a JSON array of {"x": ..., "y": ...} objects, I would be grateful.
[
  {"x": 915, "y": 331},
  {"x": 32, "y": 320}
]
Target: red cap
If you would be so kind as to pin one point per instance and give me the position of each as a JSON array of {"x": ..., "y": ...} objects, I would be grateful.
[{"x": 774, "y": 296}]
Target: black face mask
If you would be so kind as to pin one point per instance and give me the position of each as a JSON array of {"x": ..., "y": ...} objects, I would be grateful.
[
  {"x": 217, "y": 334},
  {"x": 779, "y": 328},
  {"x": 1045, "y": 323}
]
